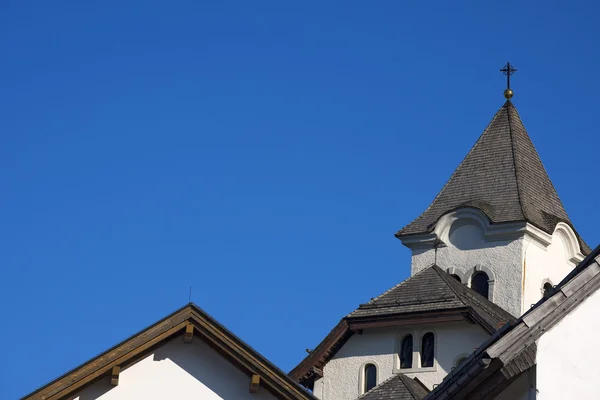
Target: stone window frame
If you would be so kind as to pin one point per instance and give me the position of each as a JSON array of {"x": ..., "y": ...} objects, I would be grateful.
[
  {"x": 362, "y": 373},
  {"x": 417, "y": 342},
  {"x": 491, "y": 279}
]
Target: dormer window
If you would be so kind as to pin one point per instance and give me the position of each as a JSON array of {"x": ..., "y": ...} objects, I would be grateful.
[
  {"x": 547, "y": 289},
  {"x": 427, "y": 350},
  {"x": 480, "y": 283},
  {"x": 406, "y": 352},
  {"x": 456, "y": 277}
]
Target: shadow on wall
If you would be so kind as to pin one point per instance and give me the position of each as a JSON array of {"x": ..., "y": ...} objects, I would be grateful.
[
  {"x": 209, "y": 373},
  {"x": 96, "y": 390},
  {"x": 369, "y": 344}
]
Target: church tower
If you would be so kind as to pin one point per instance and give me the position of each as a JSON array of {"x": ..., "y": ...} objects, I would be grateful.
[{"x": 498, "y": 224}]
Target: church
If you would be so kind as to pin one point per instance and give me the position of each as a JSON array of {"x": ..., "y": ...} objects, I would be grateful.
[{"x": 500, "y": 305}]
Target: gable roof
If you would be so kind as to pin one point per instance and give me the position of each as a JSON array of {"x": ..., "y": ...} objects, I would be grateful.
[
  {"x": 204, "y": 327},
  {"x": 503, "y": 176},
  {"x": 398, "y": 387},
  {"x": 512, "y": 350},
  {"x": 430, "y": 296}
]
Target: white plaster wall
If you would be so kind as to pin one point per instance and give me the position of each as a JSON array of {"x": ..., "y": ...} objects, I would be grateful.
[
  {"x": 378, "y": 346},
  {"x": 568, "y": 354},
  {"x": 467, "y": 247},
  {"x": 543, "y": 263},
  {"x": 318, "y": 388},
  {"x": 520, "y": 388},
  {"x": 178, "y": 371}
]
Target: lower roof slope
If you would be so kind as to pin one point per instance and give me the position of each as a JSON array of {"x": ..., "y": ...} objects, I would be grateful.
[
  {"x": 398, "y": 387},
  {"x": 503, "y": 176}
]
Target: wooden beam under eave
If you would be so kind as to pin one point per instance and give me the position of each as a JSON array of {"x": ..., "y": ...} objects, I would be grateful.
[
  {"x": 254, "y": 383},
  {"x": 189, "y": 334},
  {"x": 114, "y": 375},
  {"x": 383, "y": 323}
]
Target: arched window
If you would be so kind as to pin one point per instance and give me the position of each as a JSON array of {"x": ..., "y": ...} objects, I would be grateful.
[
  {"x": 456, "y": 277},
  {"x": 406, "y": 351},
  {"x": 480, "y": 284},
  {"x": 547, "y": 289},
  {"x": 370, "y": 380},
  {"x": 427, "y": 350}
]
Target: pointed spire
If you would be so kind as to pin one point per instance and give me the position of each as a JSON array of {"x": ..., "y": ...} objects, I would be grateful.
[{"x": 503, "y": 177}]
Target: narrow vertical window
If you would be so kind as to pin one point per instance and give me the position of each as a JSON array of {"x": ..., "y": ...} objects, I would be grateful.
[
  {"x": 406, "y": 351},
  {"x": 427, "y": 350},
  {"x": 480, "y": 284},
  {"x": 370, "y": 377}
]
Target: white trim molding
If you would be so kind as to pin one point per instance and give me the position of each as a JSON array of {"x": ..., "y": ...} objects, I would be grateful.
[
  {"x": 491, "y": 232},
  {"x": 459, "y": 273},
  {"x": 573, "y": 251}
]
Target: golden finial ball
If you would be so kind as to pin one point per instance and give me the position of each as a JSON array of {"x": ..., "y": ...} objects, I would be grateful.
[{"x": 508, "y": 94}]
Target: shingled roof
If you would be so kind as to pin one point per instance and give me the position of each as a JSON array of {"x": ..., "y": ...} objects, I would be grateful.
[
  {"x": 503, "y": 177},
  {"x": 431, "y": 295},
  {"x": 398, "y": 387}
]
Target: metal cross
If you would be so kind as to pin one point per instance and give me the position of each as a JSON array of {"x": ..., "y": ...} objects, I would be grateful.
[{"x": 508, "y": 71}]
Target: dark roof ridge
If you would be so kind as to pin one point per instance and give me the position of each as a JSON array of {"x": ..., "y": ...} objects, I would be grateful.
[
  {"x": 414, "y": 385},
  {"x": 506, "y": 106}
]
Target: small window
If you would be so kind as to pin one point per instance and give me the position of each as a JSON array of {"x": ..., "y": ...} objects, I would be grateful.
[
  {"x": 427, "y": 350},
  {"x": 547, "y": 289},
  {"x": 480, "y": 284},
  {"x": 456, "y": 277},
  {"x": 406, "y": 352},
  {"x": 370, "y": 377}
]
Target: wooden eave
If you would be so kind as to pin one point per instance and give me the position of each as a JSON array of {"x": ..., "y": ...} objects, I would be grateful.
[{"x": 141, "y": 344}]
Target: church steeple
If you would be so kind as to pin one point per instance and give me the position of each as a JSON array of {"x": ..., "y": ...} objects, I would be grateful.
[
  {"x": 503, "y": 177},
  {"x": 498, "y": 219}
]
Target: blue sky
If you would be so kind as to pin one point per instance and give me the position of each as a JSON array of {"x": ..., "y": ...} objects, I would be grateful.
[{"x": 263, "y": 153}]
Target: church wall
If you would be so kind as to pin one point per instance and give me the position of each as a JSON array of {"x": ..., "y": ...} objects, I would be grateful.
[
  {"x": 567, "y": 355},
  {"x": 178, "y": 371},
  {"x": 468, "y": 249},
  {"x": 342, "y": 374},
  {"x": 544, "y": 264}
]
